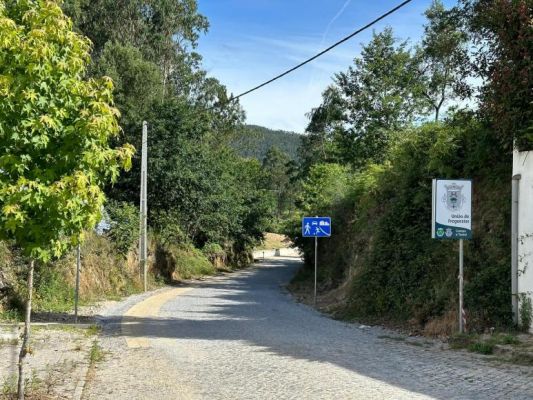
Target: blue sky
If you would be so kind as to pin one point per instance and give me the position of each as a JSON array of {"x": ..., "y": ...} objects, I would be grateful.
[{"x": 250, "y": 41}]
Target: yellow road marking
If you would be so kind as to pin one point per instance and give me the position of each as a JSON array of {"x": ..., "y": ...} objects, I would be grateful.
[{"x": 149, "y": 307}]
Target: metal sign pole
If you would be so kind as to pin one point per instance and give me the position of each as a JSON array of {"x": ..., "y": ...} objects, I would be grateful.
[
  {"x": 461, "y": 277},
  {"x": 316, "y": 268},
  {"x": 452, "y": 219},
  {"x": 144, "y": 206},
  {"x": 316, "y": 227},
  {"x": 77, "y": 294}
]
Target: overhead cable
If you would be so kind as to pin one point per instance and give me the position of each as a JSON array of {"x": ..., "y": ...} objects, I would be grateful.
[{"x": 324, "y": 51}]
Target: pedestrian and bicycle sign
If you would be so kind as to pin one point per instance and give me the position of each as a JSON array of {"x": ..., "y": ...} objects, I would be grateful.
[{"x": 316, "y": 227}]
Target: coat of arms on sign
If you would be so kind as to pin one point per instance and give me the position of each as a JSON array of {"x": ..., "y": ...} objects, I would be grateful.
[{"x": 453, "y": 198}]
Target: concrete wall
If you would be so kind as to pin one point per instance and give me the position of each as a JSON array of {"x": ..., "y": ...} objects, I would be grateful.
[{"x": 523, "y": 165}]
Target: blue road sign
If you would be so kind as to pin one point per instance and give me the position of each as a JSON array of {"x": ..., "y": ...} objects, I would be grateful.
[{"x": 316, "y": 227}]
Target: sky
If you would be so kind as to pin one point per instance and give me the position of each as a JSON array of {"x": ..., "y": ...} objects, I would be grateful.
[{"x": 251, "y": 41}]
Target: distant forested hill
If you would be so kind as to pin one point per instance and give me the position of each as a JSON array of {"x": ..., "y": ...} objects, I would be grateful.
[{"x": 254, "y": 141}]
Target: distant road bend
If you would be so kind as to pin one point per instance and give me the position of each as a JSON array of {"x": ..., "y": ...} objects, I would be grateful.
[{"x": 242, "y": 337}]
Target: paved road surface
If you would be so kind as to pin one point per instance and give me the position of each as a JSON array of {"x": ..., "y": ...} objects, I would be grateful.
[{"x": 242, "y": 337}]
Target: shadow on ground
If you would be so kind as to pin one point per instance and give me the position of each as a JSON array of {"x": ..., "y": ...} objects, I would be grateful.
[{"x": 251, "y": 307}]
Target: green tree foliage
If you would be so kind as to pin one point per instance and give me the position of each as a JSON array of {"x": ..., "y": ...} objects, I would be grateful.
[
  {"x": 138, "y": 82},
  {"x": 376, "y": 95},
  {"x": 279, "y": 181},
  {"x": 326, "y": 185},
  {"x": 123, "y": 225},
  {"x": 161, "y": 28},
  {"x": 443, "y": 58},
  {"x": 54, "y": 131},
  {"x": 324, "y": 132},
  {"x": 207, "y": 189},
  {"x": 133, "y": 38},
  {"x": 254, "y": 142},
  {"x": 382, "y": 220},
  {"x": 199, "y": 190},
  {"x": 503, "y": 36},
  {"x": 322, "y": 192}
]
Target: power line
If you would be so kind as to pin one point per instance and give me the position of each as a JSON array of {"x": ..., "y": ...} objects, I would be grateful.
[{"x": 324, "y": 51}]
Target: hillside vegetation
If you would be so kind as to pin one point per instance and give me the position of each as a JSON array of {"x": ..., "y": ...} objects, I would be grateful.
[
  {"x": 254, "y": 142},
  {"x": 377, "y": 161}
]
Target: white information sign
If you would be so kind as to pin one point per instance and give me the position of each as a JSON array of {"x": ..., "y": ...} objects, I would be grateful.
[{"x": 452, "y": 209}]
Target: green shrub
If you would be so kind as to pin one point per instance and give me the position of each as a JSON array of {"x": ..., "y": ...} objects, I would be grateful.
[
  {"x": 382, "y": 229},
  {"x": 167, "y": 227},
  {"x": 124, "y": 225},
  {"x": 52, "y": 291},
  {"x": 177, "y": 262},
  {"x": 481, "y": 347},
  {"x": 526, "y": 312},
  {"x": 508, "y": 339},
  {"x": 191, "y": 262},
  {"x": 213, "y": 250}
]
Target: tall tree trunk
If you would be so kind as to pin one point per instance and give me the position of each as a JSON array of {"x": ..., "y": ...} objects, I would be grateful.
[{"x": 26, "y": 339}]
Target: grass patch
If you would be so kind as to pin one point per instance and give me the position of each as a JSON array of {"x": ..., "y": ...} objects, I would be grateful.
[
  {"x": 96, "y": 354},
  {"x": 32, "y": 387},
  {"x": 13, "y": 315},
  {"x": 189, "y": 262},
  {"x": 460, "y": 341},
  {"x": 525, "y": 359},
  {"x": 509, "y": 339},
  {"x": 93, "y": 330},
  {"x": 480, "y": 344},
  {"x": 481, "y": 347},
  {"x": 9, "y": 386},
  {"x": 396, "y": 338},
  {"x": 9, "y": 342},
  {"x": 52, "y": 292}
]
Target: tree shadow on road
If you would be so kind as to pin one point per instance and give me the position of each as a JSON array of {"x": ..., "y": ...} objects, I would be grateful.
[{"x": 250, "y": 307}]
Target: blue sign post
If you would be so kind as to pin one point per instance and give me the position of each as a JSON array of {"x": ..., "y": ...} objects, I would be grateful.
[{"x": 316, "y": 227}]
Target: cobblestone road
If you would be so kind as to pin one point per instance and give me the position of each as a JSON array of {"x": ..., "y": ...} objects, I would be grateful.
[{"x": 241, "y": 337}]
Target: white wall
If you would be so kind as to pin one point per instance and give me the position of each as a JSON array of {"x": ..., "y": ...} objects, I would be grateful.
[{"x": 523, "y": 165}]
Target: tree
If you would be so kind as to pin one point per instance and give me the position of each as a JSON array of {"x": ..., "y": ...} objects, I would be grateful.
[
  {"x": 375, "y": 96},
  {"x": 277, "y": 179},
  {"x": 325, "y": 186},
  {"x": 197, "y": 184},
  {"x": 326, "y": 124},
  {"x": 54, "y": 131},
  {"x": 165, "y": 31},
  {"x": 443, "y": 58},
  {"x": 174, "y": 30},
  {"x": 137, "y": 83},
  {"x": 147, "y": 47},
  {"x": 503, "y": 38}
]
